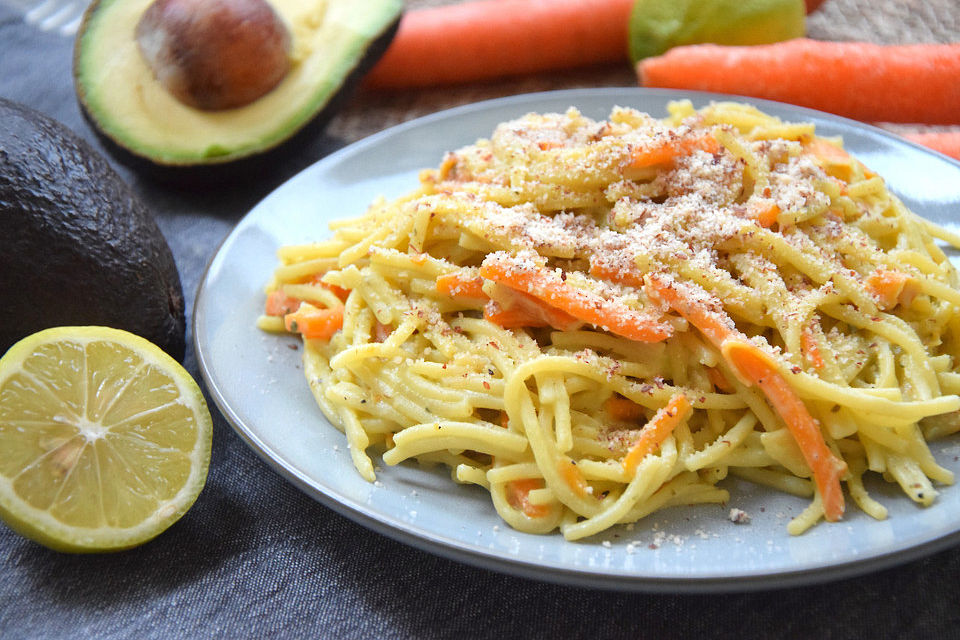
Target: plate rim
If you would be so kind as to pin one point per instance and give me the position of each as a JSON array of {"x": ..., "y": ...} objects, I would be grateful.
[{"x": 450, "y": 548}]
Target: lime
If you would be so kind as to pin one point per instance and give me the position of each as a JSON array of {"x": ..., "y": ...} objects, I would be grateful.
[
  {"x": 658, "y": 25},
  {"x": 104, "y": 439}
]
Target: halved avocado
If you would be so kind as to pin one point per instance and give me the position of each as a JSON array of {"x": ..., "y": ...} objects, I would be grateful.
[{"x": 334, "y": 43}]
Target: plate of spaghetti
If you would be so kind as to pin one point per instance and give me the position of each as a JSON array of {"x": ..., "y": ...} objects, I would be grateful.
[{"x": 626, "y": 338}]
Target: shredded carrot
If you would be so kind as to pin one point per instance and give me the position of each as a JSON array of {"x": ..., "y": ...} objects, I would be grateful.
[
  {"x": 656, "y": 431},
  {"x": 757, "y": 366},
  {"x": 546, "y": 145},
  {"x": 834, "y": 160},
  {"x": 765, "y": 213},
  {"x": 574, "y": 477},
  {"x": 461, "y": 285},
  {"x": 527, "y": 311},
  {"x": 549, "y": 287},
  {"x": 718, "y": 380},
  {"x": 623, "y": 409},
  {"x": 671, "y": 149},
  {"x": 888, "y": 286},
  {"x": 518, "y": 497},
  {"x": 713, "y": 323},
  {"x": 604, "y": 271},
  {"x": 314, "y": 323},
  {"x": 810, "y": 348},
  {"x": 485, "y": 39},
  {"x": 340, "y": 292},
  {"x": 280, "y": 304},
  {"x": 865, "y": 81}
]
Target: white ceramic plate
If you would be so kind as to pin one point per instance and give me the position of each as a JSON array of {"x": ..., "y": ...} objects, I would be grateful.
[{"x": 257, "y": 381}]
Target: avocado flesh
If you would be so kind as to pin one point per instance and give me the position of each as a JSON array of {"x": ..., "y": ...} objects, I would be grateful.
[
  {"x": 78, "y": 247},
  {"x": 332, "y": 39}
]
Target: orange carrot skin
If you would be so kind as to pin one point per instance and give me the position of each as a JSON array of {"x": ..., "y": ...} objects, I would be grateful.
[
  {"x": 827, "y": 468},
  {"x": 888, "y": 286},
  {"x": 280, "y": 304},
  {"x": 461, "y": 286},
  {"x": 753, "y": 367},
  {"x": 583, "y": 305},
  {"x": 666, "y": 153},
  {"x": 486, "y": 39},
  {"x": 766, "y": 216},
  {"x": 810, "y": 349},
  {"x": 616, "y": 274},
  {"x": 946, "y": 142},
  {"x": 573, "y": 477},
  {"x": 623, "y": 409},
  {"x": 315, "y": 324},
  {"x": 656, "y": 431},
  {"x": 714, "y": 324},
  {"x": 880, "y": 83},
  {"x": 518, "y": 492},
  {"x": 528, "y": 311},
  {"x": 719, "y": 381}
]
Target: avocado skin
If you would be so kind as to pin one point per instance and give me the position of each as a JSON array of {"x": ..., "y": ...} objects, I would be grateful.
[
  {"x": 78, "y": 247},
  {"x": 229, "y": 170}
]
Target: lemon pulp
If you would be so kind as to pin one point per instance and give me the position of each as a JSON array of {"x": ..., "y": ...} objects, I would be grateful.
[{"x": 104, "y": 439}]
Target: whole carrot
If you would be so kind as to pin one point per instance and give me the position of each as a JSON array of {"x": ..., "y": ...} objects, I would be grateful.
[
  {"x": 880, "y": 83},
  {"x": 946, "y": 142},
  {"x": 494, "y": 38}
]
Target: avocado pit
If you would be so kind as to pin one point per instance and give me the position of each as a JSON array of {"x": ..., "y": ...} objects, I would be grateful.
[{"x": 215, "y": 54}]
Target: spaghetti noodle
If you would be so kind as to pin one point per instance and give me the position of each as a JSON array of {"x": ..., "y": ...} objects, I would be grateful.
[{"x": 595, "y": 320}]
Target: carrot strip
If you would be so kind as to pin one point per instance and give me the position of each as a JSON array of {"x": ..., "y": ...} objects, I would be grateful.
[
  {"x": 713, "y": 323},
  {"x": 946, "y": 142},
  {"x": 623, "y": 409},
  {"x": 827, "y": 151},
  {"x": 656, "y": 431},
  {"x": 574, "y": 477},
  {"x": 485, "y": 39},
  {"x": 548, "y": 286},
  {"x": 340, "y": 292},
  {"x": 518, "y": 497},
  {"x": 765, "y": 213},
  {"x": 461, "y": 285},
  {"x": 313, "y": 323},
  {"x": 527, "y": 311},
  {"x": 834, "y": 160},
  {"x": 810, "y": 348},
  {"x": 719, "y": 381},
  {"x": 891, "y": 287},
  {"x": 671, "y": 149},
  {"x": 280, "y": 304},
  {"x": 756, "y": 365},
  {"x": 855, "y": 79},
  {"x": 610, "y": 273}
]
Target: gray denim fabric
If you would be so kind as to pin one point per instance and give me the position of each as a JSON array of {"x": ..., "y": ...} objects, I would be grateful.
[{"x": 256, "y": 558}]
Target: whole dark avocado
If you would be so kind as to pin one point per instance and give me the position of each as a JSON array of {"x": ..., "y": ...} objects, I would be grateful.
[
  {"x": 135, "y": 59},
  {"x": 77, "y": 247}
]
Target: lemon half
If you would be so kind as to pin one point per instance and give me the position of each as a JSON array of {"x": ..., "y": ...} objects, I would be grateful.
[{"x": 104, "y": 439}]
